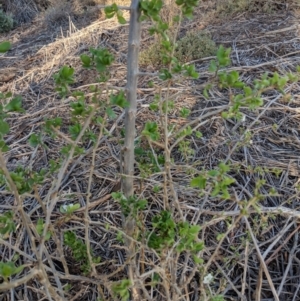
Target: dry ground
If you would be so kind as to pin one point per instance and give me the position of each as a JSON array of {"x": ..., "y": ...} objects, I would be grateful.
[{"x": 260, "y": 43}]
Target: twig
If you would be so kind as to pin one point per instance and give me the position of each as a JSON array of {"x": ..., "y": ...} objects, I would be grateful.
[
  {"x": 262, "y": 262},
  {"x": 17, "y": 282}
]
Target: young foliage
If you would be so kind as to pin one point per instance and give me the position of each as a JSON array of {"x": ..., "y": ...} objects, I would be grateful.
[
  {"x": 69, "y": 209},
  {"x": 79, "y": 251},
  {"x": 14, "y": 104},
  {"x": 121, "y": 289},
  {"x": 6, "y": 22},
  {"x": 8, "y": 269},
  {"x": 40, "y": 229},
  {"x": 130, "y": 206},
  {"x": 5, "y": 46},
  {"x": 7, "y": 224}
]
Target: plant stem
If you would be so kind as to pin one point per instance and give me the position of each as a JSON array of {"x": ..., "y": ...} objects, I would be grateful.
[{"x": 130, "y": 115}]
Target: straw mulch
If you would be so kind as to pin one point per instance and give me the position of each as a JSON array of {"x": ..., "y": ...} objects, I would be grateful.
[{"x": 259, "y": 44}]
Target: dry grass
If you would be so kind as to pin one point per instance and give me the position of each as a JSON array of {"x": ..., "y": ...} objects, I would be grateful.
[
  {"x": 259, "y": 45},
  {"x": 59, "y": 12},
  {"x": 232, "y": 7},
  {"x": 24, "y": 10}
]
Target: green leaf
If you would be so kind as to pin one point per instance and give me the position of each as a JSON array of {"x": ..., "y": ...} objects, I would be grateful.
[
  {"x": 151, "y": 130},
  {"x": 3, "y": 147},
  {"x": 110, "y": 11},
  {"x": 86, "y": 60},
  {"x": 75, "y": 130},
  {"x": 4, "y": 127},
  {"x": 199, "y": 246},
  {"x": 199, "y": 182},
  {"x": 165, "y": 74},
  {"x": 34, "y": 140},
  {"x": 224, "y": 167},
  {"x": 185, "y": 112},
  {"x": 227, "y": 181},
  {"x": 122, "y": 20},
  {"x": 205, "y": 93},
  {"x": 216, "y": 191},
  {"x": 79, "y": 108},
  {"x": 198, "y": 260},
  {"x": 15, "y": 105},
  {"x": 191, "y": 71},
  {"x": 67, "y": 71},
  {"x": 69, "y": 209},
  {"x": 213, "y": 173},
  {"x": 4, "y": 46},
  {"x": 40, "y": 229},
  {"x": 7, "y": 224},
  {"x": 213, "y": 66},
  {"x": 110, "y": 113},
  {"x": 154, "y": 106},
  {"x": 198, "y": 134},
  {"x": 223, "y": 56},
  {"x": 8, "y": 269},
  {"x": 120, "y": 17},
  {"x": 119, "y": 100}
]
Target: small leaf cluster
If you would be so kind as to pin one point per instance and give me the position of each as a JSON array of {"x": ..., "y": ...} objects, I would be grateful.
[
  {"x": 50, "y": 124},
  {"x": 79, "y": 251},
  {"x": 129, "y": 206},
  {"x": 185, "y": 149},
  {"x": 119, "y": 100},
  {"x": 113, "y": 10},
  {"x": 14, "y": 105},
  {"x": 148, "y": 163},
  {"x": 6, "y": 22},
  {"x": 121, "y": 289},
  {"x": 187, "y": 7},
  {"x": 165, "y": 233},
  {"x": 63, "y": 79},
  {"x": 217, "y": 178},
  {"x": 167, "y": 105},
  {"x": 69, "y": 209},
  {"x": 100, "y": 59},
  {"x": 150, "y": 9},
  {"x": 223, "y": 59},
  {"x": 7, "y": 224},
  {"x": 8, "y": 269},
  {"x": 185, "y": 132},
  {"x": 251, "y": 97},
  {"x": 188, "y": 238},
  {"x": 24, "y": 179},
  {"x": 40, "y": 229},
  {"x": 275, "y": 81},
  {"x": 151, "y": 131}
]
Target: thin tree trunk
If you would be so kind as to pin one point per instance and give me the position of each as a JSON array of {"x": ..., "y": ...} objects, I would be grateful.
[
  {"x": 128, "y": 150},
  {"x": 131, "y": 88}
]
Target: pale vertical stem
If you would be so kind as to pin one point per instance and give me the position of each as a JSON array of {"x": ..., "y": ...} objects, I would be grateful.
[
  {"x": 130, "y": 113},
  {"x": 128, "y": 150}
]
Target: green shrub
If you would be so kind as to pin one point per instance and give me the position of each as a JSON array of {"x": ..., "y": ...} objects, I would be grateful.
[
  {"x": 227, "y": 8},
  {"x": 193, "y": 46},
  {"x": 59, "y": 13},
  {"x": 6, "y": 22},
  {"x": 152, "y": 56}
]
